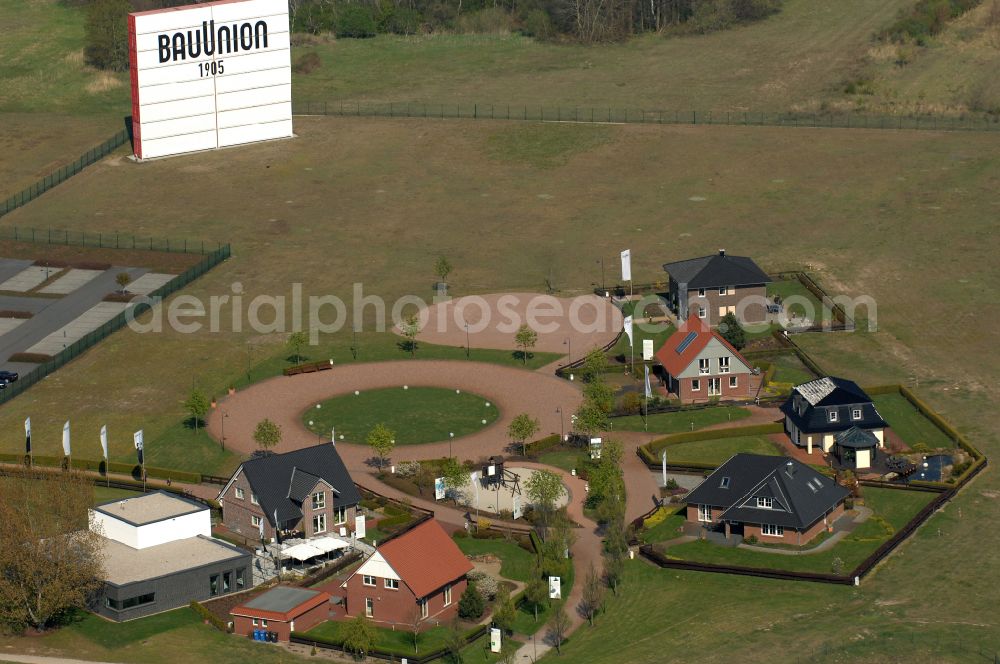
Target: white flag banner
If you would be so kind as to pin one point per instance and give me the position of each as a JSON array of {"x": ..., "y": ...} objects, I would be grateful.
[
  {"x": 260, "y": 527},
  {"x": 627, "y": 265},
  {"x": 66, "y": 449},
  {"x": 628, "y": 329},
  {"x": 27, "y": 435},
  {"x": 647, "y": 350},
  {"x": 137, "y": 439},
  {"x": 104, "y": 440},
  {"x": 649, "y": 388}
]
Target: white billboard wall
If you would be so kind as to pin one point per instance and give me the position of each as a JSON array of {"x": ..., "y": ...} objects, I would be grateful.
[{"x": 209, "y": 76}]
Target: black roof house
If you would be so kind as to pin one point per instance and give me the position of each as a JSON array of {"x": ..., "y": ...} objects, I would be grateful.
[
  {"x": 799, "y": 495},
  {"x": 831, "y": 404},
  {"x": 716, "y": 271},
  {"x": 282, "y": 482}
]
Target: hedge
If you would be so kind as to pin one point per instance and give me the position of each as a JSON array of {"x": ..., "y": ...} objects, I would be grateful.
[
  {"x": 98, "y": 466},
  {"x": 209, "y": 617},
  {"x": 711, "y": 434},
  {"x": 542, "y": 444},
  {"x": 469, "y": 636}
]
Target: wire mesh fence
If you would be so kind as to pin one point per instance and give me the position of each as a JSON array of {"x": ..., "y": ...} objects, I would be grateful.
[
  {"x": 610, "y": 115},
  {"x": 60, "y": 236},
  {"x": 81, "y": 345},
  {"x": 59, "y": 176}
]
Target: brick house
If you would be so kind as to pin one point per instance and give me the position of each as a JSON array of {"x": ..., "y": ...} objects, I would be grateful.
[
  {"x": 819, "y": 412},
  {"x": 283, "y": 610},
  {"x": 306, "y": 492},
  {"x": 416, "y": 576},
  {"x": 700, "y": 365},
  {"x": 772, "y": 498},
  {"x": 712, "y": 286}
]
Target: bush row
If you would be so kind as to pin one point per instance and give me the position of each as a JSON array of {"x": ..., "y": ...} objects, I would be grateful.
[
  {"x": 98, "y": 466},
  {"x": 537, "y": 447},
  {"x": 209, "y": 617},
  {"x": 925, "y": 19},
  {"x": 469, "y": 636}
]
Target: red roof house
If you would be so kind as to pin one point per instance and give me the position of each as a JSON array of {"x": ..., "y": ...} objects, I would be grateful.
[
  {"x": 417, "y": 575},
  {"x": 282, "y": 610},
  {"x": 701, "y": 365}
]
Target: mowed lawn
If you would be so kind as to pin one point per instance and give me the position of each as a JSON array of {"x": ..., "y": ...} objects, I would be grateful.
[
  {"x": 517, "y": 563},
  {"x": 685, "y": 420},
  {"x": 892, "y": 510},
  {"x": 718, "y": 450},
  {"x": 415, "y": 415},
  {"x": 909, "y": 423},
  {"x": 394, "y": 640}
]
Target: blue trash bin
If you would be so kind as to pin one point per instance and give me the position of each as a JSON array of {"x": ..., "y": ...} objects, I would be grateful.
[{"x": 256, "y": 635}]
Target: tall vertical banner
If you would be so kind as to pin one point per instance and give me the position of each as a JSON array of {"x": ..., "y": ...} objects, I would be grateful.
[
  {"x": 439, "y": 491},
  {"x": 209, "y": 76},
  {"x": 628, "y": 329},
  {"x": 66, "y": 448},
  {"x": 649, "y": 387},
  {"x": 137, "y": 439},
  {"x": 627, "y": 265},
  {"x": 104, "y": 440},
  {"x": 27, "y": 436}
]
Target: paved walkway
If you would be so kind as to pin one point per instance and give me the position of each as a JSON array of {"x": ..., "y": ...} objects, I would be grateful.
[{"x": 842, "y": 528}]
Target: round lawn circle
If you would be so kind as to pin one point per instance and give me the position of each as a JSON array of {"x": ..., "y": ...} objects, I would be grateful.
[{"x": 415, "y": 415}]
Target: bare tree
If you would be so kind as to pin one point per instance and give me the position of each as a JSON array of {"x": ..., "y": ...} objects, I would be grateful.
[
  {"x": 51, "y": 562},
  {"x": 593, "y": 594},
  {"x": 558, "y": 627}
]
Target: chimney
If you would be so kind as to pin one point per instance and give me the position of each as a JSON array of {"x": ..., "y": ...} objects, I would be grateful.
[
  {"x": 790, "y": 469},
  {"x": 722, "y": 252}
]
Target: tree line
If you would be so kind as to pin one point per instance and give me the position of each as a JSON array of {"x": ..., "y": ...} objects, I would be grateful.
[{"x": 570, "y": 21}]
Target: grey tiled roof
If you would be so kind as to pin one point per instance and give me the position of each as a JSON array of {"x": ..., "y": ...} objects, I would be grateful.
[{"x": 717, "y": 270}]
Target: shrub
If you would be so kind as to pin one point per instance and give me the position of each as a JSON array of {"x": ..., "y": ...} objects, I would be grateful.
[
  {"x": 307, "y": 63},
  {"x": 484, "y": 583},
  {"x": 491, "y": 20},
  {"x": 355, "y": 21},
  {"x": 537, "y": 24},
  {"x": 631, "y": 403},
  {"x": 400, "y": 21},
  {"x": 407, "y": 469},
  {"x": 837, "y": 566},
  {"x": 751, "y": 540},
  {"x": 206, "y": 615},
  {"x": 922, "y": 448},
  {"x": 471, "y": 605}
]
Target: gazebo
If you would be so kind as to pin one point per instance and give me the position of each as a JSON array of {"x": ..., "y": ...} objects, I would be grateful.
[{"x": 856, "y": 448}]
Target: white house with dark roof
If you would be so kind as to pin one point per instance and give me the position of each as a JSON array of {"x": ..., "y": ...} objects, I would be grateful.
[{"x": 817, "y": 411}]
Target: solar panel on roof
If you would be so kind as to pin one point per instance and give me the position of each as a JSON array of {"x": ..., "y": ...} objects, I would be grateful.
[{"x": 687, "y": 342}]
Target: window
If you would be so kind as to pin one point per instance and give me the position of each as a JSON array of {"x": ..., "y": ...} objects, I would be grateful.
[
  {"x": 227, "y": 581},
  {"x": 856, "y": 414},
  {"x": 734, "y": 381},
  {"x": 705, "y": 513},
  {"x": 263, "y": 622},
  {"x": 370, "y": 607},
  {"x": 255, "y": 521},
  {"x": 723, "y": 365},
  {"x": 253, "y": 498},
  {"x": 340, "y": 514},
  {"x": 368, "y": 580},
  {"x": 833, "y": 416},
  {"x": 766, "y": 503},
  {"x": 239, "y": 493},
  {"x": 131, "y": 602},
  {"x": 423, "y": 608},
  {"x": 702, "y": 312},
  {"x": 701, "y": 292},
  {"x": 447, "y": 595},
  {"x": 319, "y": 523},
  {"x": 213, "y": 585},
  {"x": 392, "y": 584},
  {"x": 241, "y": 580},
  {"x": 695, "y": 385},
  {"x": 254, "y": 622},
  {"x": 772, "y": 530},
  {"x": 703, "y": 367},
  {"x": 319, "y": 500},
  {"x": 722, "y": 290},
  {"x": 724, "y": 484}
]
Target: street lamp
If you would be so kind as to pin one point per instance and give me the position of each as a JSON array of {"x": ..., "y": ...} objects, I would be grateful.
[
  {"x": 451, "y": 436},
  {"x": 225, "y": 416},
  {"x": 562, "y": 430},
  {"x": 569, "y": 344},
  {"x": 602, "y": 272},
  {"x": 467, "y": 350}
]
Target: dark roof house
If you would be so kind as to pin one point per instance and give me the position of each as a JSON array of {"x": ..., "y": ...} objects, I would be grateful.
[
  {"x": 717, "y": 270},
  {"x": 831, "y": 404}
]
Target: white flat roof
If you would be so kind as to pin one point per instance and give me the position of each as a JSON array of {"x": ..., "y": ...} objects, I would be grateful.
[
  {"x": 149, "y": 508},
  {"x": 124, "y": 565}
]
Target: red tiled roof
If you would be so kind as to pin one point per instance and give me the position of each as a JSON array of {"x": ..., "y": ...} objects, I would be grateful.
[
  {"x": 675, "y": 362},
  {"x": 426, "y": 558}
]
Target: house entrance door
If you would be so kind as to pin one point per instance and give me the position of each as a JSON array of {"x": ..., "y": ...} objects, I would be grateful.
[{"x": 714, "y": 387}]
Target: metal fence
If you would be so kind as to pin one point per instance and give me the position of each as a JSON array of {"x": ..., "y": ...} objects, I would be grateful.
[
  {"x": 89, "y": 157},
  {"x": 78, "y": 347},
  {"x": 63, "y": 237},
  {"x": 606, "y": 115}
]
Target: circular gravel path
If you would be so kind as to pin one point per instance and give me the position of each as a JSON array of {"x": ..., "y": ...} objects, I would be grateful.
[{"x": 283, "y": 399}]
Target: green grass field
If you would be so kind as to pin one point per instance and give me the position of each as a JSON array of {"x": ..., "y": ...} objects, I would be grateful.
[
  {"x": 685, "y": 420},
  {"x": 517, "y": 564},
  {"x": 565, "y": 459},
  {"x": 104, "y": 494},
  {"x": 909, "y": 423},
  {"x": 718, "y": 450},
  {"x": 667, "y": 528},
  {"x": 894, "y": 506},
  {"x": 804, "y": 304},
  {"x": 416, "y": 415},
  {"x": 789, "y": 369},
  {"x": 398, "y": 640}
]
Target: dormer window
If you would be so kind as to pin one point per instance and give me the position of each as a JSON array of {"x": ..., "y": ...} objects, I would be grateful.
[
  {"x": 855, "y": 413},
  {"x": 833, "y": 416},
  {"x": 701, "y": 292},
  {"x": 765, "y": 503},
  {"x": 319, "y": 500},
  {"x": 724, "y": 484}
]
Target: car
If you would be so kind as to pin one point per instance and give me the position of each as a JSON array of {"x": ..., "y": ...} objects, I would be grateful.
[
  {"x": 3, "y": 384},
  {"x": 8, "y": 376}
]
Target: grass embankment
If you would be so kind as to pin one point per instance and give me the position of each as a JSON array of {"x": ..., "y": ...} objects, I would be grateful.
[{"x": 685, "y": 420}]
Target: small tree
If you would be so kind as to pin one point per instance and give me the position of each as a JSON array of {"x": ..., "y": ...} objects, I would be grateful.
[
  {"x": 295, "y": 342},
  {"x": 471, "y": 605},
  {"x": 558, "y": 627},
  {"x": 107, "y": 34},
  {"x": 614, "y": 566},
  {"x": 521, "y": 428},
  {"x": 593, "y": 594},
  {"x": 600, "y": 395},
  {"x": 544, "y": 488},
  {"x": 455, "y": 475},
  {"x": 594, "y": 365},
  {"x": 591, "y": 419},
  {"x": 359, "y": 636},
  {"x": 197, "y": 406},
  {"x": 454, "y": 642},
  {"x": 442, "y": 268},
  {"x": 410, "y": 329},
  {"x": 416, "y": 620},
  {"x": 536, "y": 593},
  {"x": 123, "y": 279},
  {"x": 267, "y": 434},
  {"x": 525, "y": 338},
  {"x": 504, "y": 611},
  {"x": 381, "y": 439},
  {"x": 732, "y": 331}
]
